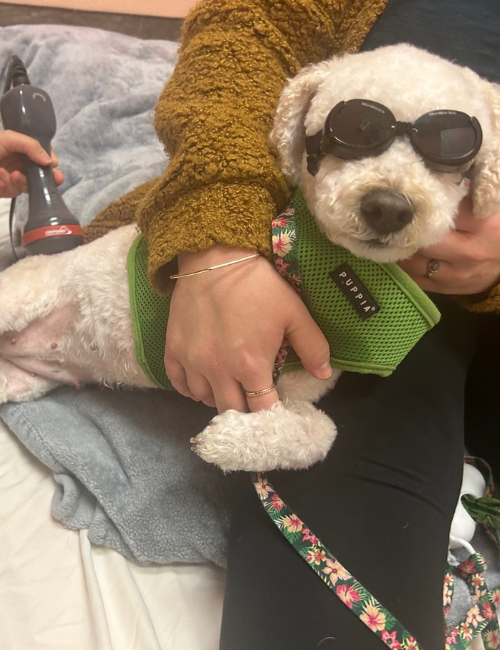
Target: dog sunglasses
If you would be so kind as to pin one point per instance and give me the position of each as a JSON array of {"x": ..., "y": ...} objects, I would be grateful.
[{"x": 359, "y": 128}]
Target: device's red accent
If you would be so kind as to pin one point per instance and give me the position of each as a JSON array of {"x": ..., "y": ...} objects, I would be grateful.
[{"x": 61, "y": 230}]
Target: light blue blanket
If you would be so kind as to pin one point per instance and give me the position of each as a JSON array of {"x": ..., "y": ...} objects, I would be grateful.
[
  {"x": 122, "y": 459},
  {"x": 104, "y": 87}
]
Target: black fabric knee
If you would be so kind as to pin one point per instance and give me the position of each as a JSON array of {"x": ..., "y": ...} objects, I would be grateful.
[{"x": 382, "y": 502}]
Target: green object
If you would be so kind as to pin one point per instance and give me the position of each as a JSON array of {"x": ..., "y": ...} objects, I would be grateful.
[
  {"x": 484, "y": 510},
  {"x": 149, "y": 311},
  {"x": 371, "y": 334}
]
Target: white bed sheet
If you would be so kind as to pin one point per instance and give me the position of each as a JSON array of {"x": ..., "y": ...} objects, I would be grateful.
[{"x": 59, "y": 592}]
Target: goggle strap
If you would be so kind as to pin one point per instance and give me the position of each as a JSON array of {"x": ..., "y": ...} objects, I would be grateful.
[
  {"x": 313, "y": 143},
  {"x": 313, "y": 150},
  {"x": 468, "y": 172}
]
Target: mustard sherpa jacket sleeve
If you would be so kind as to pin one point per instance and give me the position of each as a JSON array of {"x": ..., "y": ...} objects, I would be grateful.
[
  {"x": 222, "y": 184},
  {"x": 485, "y": 303},
  {"x": 121, "y": 212}
]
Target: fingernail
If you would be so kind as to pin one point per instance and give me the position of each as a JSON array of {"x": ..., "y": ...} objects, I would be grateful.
[
  {"x": 45, "y": 157},
  {"x": 325, "y": 371}
]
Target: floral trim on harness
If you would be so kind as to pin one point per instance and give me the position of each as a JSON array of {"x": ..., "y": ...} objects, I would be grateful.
[{"x": 283, "y": 239}]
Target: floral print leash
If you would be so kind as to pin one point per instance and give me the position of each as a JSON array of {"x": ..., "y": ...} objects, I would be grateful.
[{"x": 480, "y": 619}]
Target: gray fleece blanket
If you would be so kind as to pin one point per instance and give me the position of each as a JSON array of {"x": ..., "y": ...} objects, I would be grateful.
[{"x": 121, "y": 459}]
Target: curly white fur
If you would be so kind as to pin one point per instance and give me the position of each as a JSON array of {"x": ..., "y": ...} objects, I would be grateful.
[
  {"x": 290, "y": 435},
  {"x": 410, "y": 82},
  {"x": 66, "y": 318}
]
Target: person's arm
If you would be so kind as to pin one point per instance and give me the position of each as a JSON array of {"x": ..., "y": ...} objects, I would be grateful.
[
  {"x": 222, "y": 188},
  {"x": 223, "y": 185},
  {"x": 12, "y": 146}
]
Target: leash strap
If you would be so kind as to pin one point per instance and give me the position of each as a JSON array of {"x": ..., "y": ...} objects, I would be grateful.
[
  {"x": 481, "y": 619},
  {"x": 354, "y": 596},
  {"x": 448, "y": 590}
]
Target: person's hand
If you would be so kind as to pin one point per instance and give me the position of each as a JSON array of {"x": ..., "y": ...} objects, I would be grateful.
[
  {"x": 226, "y": 327},
  {"x": 12, "y": 178},
  {"x": 468, "y": 257}
]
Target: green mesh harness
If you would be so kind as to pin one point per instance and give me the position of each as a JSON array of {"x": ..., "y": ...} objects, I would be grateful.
[{"x": 371, "y": 314}]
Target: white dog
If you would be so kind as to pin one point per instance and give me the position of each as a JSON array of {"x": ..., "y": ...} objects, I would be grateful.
[{"x": 376, "y": 177}]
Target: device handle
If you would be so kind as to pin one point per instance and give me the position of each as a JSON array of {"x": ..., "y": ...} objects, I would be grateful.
[
  {"x": 29, "y": 110},
  {"x": 51, "y": 228}
]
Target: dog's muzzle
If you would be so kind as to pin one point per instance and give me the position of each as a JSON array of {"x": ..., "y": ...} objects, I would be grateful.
[{"x": 385, "y": 211}]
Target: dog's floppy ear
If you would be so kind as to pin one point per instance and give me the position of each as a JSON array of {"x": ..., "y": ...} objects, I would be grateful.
[
  {"x": 287, "y": 137},
  {"x": 486, "y": 172}
]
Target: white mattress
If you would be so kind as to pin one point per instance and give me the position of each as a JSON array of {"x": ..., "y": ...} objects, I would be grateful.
[{"x": 57, "y": 592}]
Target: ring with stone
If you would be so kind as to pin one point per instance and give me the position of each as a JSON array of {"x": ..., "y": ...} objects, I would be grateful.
[{"x": 432, "y": 267}]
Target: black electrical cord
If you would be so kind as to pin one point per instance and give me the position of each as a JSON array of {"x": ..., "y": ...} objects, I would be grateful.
[{"x": 16, "y": 75}]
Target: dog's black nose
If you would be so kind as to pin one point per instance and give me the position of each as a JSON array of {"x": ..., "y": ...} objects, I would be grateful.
[{"x": 386, "y": 211}]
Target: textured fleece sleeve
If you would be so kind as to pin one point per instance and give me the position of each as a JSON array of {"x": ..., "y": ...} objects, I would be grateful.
[
  {"x": 485, "y": 303},
  {"x": 214, "y": 116},
  {"x": 118, "y": 213}
]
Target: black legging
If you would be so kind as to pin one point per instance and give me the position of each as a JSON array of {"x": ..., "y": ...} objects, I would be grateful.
[{"x": 382, "y": 502}]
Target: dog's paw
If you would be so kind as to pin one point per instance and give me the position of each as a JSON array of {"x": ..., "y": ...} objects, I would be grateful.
[{"x": 290, "y": 435}]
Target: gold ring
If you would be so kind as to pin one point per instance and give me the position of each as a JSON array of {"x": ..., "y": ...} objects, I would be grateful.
[
  {"x": 258, "y": 393},
  {"x": 432, "y": 267}
]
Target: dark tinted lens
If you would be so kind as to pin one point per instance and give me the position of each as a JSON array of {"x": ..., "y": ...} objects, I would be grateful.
[
  {"x": 445, "y": 136},
  {"x": 457, "y": 142},
  {"x": 359, "y": 124}
]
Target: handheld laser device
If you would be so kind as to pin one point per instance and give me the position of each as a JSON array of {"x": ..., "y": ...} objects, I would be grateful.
[{"x": 51, "y": 228}]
